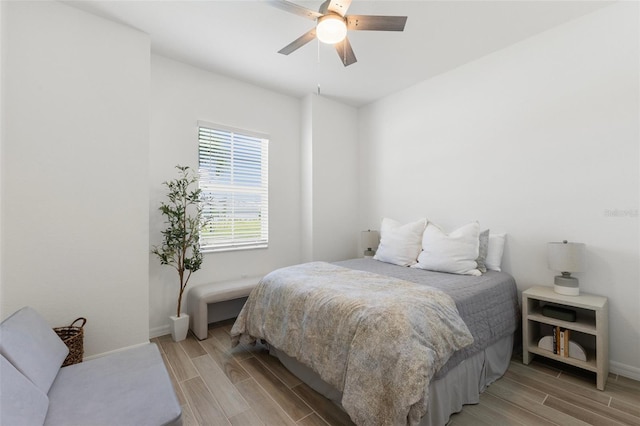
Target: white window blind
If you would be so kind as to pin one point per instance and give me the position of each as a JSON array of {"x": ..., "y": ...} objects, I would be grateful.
[{"x": 234, "y": 178}]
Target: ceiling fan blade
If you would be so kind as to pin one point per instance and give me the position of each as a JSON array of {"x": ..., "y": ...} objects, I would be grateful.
[
  {"x": 338, "y": 6},
  {"x": 376, "y": 23},
  {"x": 345, "y": 52},
  {"x": 299, "y": 42},
  {"x": 287, "y": 6}
]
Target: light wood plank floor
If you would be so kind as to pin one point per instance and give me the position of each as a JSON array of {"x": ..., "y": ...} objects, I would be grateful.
[{"x": 218, "y": 385}]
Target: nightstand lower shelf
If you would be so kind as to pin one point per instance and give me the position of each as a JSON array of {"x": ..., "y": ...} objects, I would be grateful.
[{"x": 589, "y": 364}]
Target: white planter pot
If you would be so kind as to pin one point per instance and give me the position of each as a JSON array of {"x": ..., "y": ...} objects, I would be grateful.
[{"x": 179, "y": 327}]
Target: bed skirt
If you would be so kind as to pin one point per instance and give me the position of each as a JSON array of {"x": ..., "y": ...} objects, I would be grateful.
[{"x": 462, "y": 385}]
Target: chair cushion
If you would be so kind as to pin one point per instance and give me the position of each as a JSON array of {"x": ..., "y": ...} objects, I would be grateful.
[
  {"x": 21, "y": 401},
  {"x": 125, "y": 388},
  {"x": 29, "y": 343}
]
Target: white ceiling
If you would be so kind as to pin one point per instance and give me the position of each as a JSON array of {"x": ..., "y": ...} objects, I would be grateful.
[{"x": 241, "y": 38}]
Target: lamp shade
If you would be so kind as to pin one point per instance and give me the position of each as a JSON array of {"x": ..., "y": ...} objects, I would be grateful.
[
  {"x": 370, "y": 239},
  {"x": 566, "y": 257}
]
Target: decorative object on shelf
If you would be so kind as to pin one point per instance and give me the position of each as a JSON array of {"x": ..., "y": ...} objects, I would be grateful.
[
  {"x": 370, "y": 240},
  {"x": 566, "y": 258},
  {"x": 575, "y": 349},
  {"x": 181, "y": 238},
  {"x": 558, "y": 312}
]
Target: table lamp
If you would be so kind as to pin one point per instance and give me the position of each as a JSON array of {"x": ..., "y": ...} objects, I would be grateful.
[
  {"x": 369, "y": 240},
  {"x": 566, "y": 258}
]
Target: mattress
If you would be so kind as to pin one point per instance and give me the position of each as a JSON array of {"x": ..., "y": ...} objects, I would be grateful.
[{"x": 488, "y": 304}]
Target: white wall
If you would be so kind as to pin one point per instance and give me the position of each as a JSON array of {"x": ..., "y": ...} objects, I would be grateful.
[
  {"x": 180, "y": 96},
  {"x": 540, "y": 140},
  {"x": 330, "y": 176},
  {"x": 2, "y": 129},
  {"x": 75, "y": 190},
  {"x": 306, "y": 178}
]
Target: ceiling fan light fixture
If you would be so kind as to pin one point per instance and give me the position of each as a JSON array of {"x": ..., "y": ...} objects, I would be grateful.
[{"x": 331, "y": 29}]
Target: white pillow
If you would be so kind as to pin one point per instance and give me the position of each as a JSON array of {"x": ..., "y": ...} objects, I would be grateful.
[
  {"x": 455, "y": 253},
  {"x": 400, "y": 244},
  {"x": 494, "y": 253}
]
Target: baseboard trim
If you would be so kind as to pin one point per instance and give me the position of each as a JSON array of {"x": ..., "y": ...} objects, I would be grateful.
[
  {"x": 624, "y": 370},
  {"x": 89, "y": 358},
  {"x": 159, "y": 331}
]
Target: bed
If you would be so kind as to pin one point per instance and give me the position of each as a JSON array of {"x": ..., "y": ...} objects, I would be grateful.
[{"x": 470, "y": 323}]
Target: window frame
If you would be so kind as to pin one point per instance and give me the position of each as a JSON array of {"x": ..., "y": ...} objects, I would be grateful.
[{"x": 233, "y": 243}]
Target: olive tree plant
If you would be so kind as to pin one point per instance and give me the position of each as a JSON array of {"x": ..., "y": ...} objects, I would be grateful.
[{"x": 182, "y": 212}]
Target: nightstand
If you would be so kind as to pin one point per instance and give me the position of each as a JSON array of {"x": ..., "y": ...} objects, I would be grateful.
[{"x": 590, "y": 329}]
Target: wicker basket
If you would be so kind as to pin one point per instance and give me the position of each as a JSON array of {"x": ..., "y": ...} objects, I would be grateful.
[{"x": 73, "y": 337}]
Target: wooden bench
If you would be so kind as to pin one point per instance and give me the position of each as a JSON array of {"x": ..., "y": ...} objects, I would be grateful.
[{"x": 199, "y": 297}]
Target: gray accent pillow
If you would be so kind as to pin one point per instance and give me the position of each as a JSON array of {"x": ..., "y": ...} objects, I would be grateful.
[
  {"x": 483, "y": 250},
  {"x": 21, "y": 401},
  {"x": 31, "y": 345}
]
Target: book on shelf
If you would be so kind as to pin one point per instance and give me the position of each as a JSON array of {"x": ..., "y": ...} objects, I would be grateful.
[
  {"x": 575, "y": 350},
  {"x": 564, "y": 342},
  {"x": 561, "y": 338},
  {"x": 561, "y": 342}
]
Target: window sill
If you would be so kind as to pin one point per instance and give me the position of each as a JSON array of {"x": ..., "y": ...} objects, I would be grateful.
[{"x": 236, "y": 248}]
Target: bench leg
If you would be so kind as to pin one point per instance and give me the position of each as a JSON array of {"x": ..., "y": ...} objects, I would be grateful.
[{"x": 200, "y": 325}]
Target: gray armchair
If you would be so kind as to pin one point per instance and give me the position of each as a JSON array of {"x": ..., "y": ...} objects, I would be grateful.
[{"x": 131, "y": 387}]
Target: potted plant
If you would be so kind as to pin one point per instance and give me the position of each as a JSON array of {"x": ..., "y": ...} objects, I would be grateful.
[{"x": 180, "y": 247}]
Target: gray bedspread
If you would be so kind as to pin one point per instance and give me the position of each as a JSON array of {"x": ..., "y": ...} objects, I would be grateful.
[
  {"x": 377, "y": 339},
  {"x": 488, "y": 304}
]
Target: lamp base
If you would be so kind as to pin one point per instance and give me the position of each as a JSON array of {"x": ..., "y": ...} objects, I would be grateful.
[{"x": 566, "y": 285}]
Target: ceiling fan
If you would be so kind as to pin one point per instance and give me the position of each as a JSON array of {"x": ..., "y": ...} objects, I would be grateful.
[{"x": 332, "y": 24}]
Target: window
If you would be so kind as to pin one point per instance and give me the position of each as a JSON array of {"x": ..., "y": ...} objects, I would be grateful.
[{"x": 234, "y": 178}]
